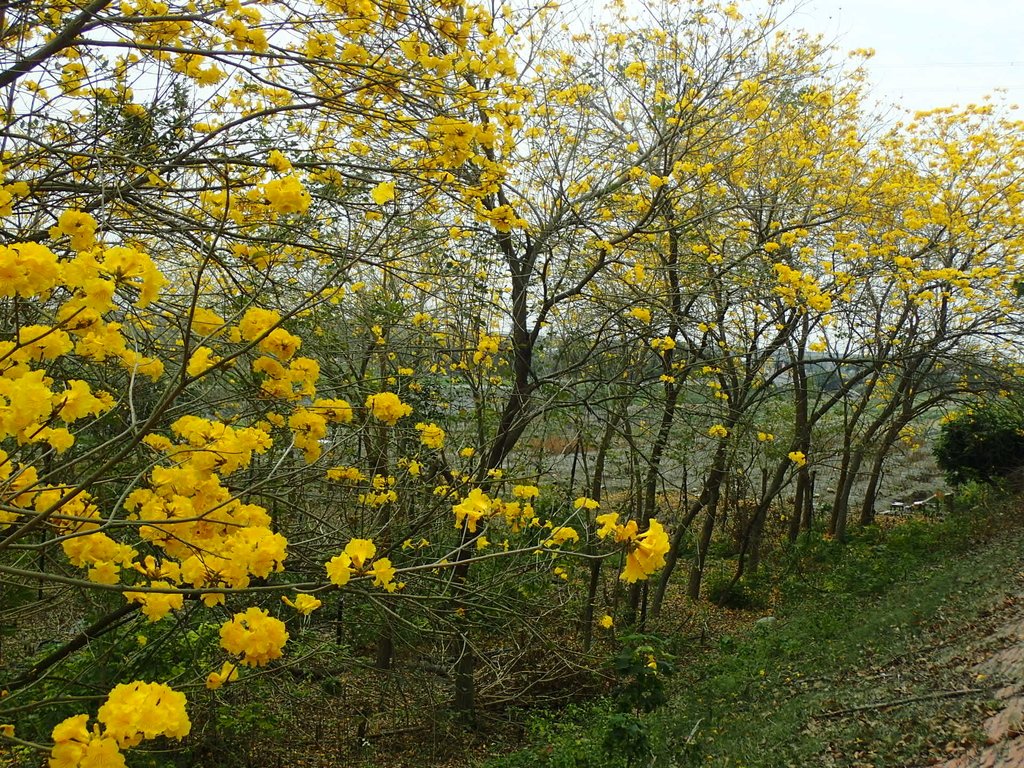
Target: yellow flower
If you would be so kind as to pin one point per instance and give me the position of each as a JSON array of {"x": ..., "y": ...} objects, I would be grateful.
[
  {"x": 664, "y": 344},
  {"x": 384, "y": 574},
  {"x": 584, "y": 502},
  {"x": 431, "y": 435},
  {"x": 647, "y": 554},
  {"x": 387, "y": 407},
  {"x": 304, "y": 604},
  {"x": 228, "y": 673},
  {"x": 608, "y": 523},
  {"x": 334, "y": 410},
  {"x": 383, "y": 192},
  {"x": 138, "y": 710},
  {"x": 350, "y": 474},
  {"x": 201, "y": 361},
  {"x": 339, "y": 570},
  {"x": 254, "y": 635},
  {"x": 286, "y": 195},
  {"x": 797, "y": 457},
  {"x": 471, "y": 509},
  {"x": 561, "y": 535},
  {"x": 27, "y": 269},
  {"x": 641, "y": 313},
  {"x": 278, "y": 161},
  {"x": 606, "y": 622},
  {"x": 635, "y": 70},
  {"x": 360, "y": 552},
  {"x": 256, "y": 322},
  {"x": 718, "y": 431},
  {"x": 79, "y": 226},
  {"x": 156, "y": 605},
  {"x": 467, "y": 452}
]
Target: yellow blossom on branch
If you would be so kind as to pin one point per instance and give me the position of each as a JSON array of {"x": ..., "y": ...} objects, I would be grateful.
[
  {"x": 383, "y": 192},
  {"x": 304, "y": 604},
  {"x": 360, "y": 552},
  {"x": 431, "y": 435},
  {"x": 254, "y": 635},
  {"x": 286, "y": 195},
  {"x": 79, "y": 226},
  {"x": 646, "y": 554},
  {"x": 387, "y": 407},
  {"x": 339, "y": 570},
  {"x": 384, "y": 574},
  {"x": 469, "y": 511},
  {"x": 228, "y": 673}
]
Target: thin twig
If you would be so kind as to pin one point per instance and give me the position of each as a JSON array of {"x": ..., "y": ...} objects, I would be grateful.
[{"x": 902, "y": 702}]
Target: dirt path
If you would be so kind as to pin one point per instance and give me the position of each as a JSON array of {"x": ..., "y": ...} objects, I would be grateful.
[{"x": 1003, "y": 662}]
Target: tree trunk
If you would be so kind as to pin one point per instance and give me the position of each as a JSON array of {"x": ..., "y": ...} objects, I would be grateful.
[
  {"x": 587, "y": 617},
  {"x": 697, "y": 568}
]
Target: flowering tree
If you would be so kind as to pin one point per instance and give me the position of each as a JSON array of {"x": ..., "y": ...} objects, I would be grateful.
[{"x": 285, "y": 288}]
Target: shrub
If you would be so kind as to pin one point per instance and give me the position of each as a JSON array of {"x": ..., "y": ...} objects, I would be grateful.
[{"x": 981, "y": 444}]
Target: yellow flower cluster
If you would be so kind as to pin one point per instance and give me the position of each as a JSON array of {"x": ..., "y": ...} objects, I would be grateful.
[
  {"x": 383, "y": 491},
  {"x": 797, "y": 288},
  {"x": 431, "y": 435},
  {"x": 189, "y": 513},
  {"x": 85, "y": 545},
  {"x": 131, "y": 713},
  {"x": 663, "y": 345},
  {"x": 27, "y": 269},
  {"x": 645, "y": 552},
  {"x": 348, "y": 474},
  {"x": 476, "y": 505},
  {"x": 29, "y": 406},
  {"x": 560, "y": 535},
  {"x": 156, "y": 605},
  {"x": 356, "y": 560},
  {"x": 286, "y": 195},
  {"x": 254, "y": 635},
  {"x": 308, "y": 428},
  {"x": 78, "y": 226},
  {"x": 526, "y": 491},
  {"x": 387, "y": 407},
  {"x": 486, "y": 348},
  {"x": 718, "y": 430}
]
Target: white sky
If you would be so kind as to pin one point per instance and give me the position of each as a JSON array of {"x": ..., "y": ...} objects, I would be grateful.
[{"x": 929, "y": 53}]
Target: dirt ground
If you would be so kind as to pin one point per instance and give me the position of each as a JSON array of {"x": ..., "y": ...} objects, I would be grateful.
[{"x": 1002, "y": 660}]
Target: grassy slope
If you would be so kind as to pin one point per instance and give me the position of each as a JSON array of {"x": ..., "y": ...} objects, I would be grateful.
[{"x": 885, "y": 620}]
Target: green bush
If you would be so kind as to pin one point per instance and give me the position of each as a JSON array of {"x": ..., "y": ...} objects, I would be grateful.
[
  {"x": 742, "y": 595},
  {"x": 981, "y": 444}
]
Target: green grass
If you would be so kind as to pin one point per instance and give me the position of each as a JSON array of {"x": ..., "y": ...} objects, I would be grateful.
[{"x": 886, "y": 618}]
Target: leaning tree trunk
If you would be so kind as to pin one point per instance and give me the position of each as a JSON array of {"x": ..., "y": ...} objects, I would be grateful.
[
  {"x": 587, "y": 616},
  {"x": 697, "y": 567},
  {"x": 708, "y": 494}
]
